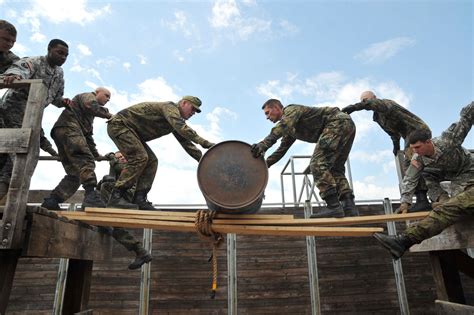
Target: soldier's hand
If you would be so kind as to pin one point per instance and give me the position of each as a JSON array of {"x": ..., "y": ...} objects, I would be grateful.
[
  {"x": 257, "y": 150},
  {"x": 403, "y": 208},
  {"x": 110, "y": 156},
  {"x": 9, "y": 78},
  {"x": 396, "y": 148},
  {"x": 348, "y": 109},
  {"x": 67, "y": 102},
  {"x": 206, "y": 144}
]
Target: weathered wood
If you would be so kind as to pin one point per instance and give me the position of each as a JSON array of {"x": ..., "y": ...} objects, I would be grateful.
[
  {"x": 185, "y": 213},
  {"x": 14, "y": 140},
  {"x": 78, "y": 282},
  {"x": 446, "y": 275},
  {"x": 20, "y": 83},
  {"x": 450, "y": 308},
  {"x": 53, "y": 238},
  {"x": 23, "y": 168},
  {"x": 457, "y": 236},
  {"x": 8, "y": 262}
]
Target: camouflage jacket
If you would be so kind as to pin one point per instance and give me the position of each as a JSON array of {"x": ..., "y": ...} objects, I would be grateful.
[
  {"x": 302, "y": 123},
  {"x": 455, "y": 163},
  {"x": 80, "y": 116},
  {"x": 35, "y": 68},
  {"x": 152, "y": 120},
  {"x": 394, "y": 119},
  {"x": 6, "y": 60}
]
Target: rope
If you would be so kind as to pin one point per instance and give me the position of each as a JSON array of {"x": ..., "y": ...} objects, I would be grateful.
[{"x": 203, "y": 224}]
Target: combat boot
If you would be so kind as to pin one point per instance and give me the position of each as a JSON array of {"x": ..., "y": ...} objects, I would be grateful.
[
  {"x": 142, "y": 202},
  {"x": 348, "y": 205},
  {"x": 92, "y": 200},
  {"x": 52, "y": 202},
  {"x": 333, "y": 208},
  {"x": 143, "y": 257},
  {"x": 117, "y": 200},
  {"x": 422, "y": 203},
  {"x": 397, "y": 245}
]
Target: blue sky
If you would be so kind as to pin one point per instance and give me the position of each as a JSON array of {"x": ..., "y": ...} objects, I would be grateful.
[{"x": 235, "y": 55}]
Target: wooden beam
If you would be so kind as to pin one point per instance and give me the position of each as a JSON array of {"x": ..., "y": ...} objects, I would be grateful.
[
  {"x": 186, "y": 213},
  {"x": 450, "y": 308},
  {"x": 20, "y": 83},
  {"x": 458, "y": 236},
  {"x": 49, "y": 237},
  {"x": 8, "y": 262},
  {"x": 14, "y": 140},
  {"x": 446, "y": 276},
  {"x": 240, "y": 229},
  {"x": 78, "y": 283}
]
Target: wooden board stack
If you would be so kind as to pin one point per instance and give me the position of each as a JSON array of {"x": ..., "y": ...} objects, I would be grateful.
[{"x": 249, "y": 224}]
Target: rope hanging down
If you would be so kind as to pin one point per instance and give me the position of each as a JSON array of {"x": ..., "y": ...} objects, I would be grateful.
[{"x": 203, "y": 224}]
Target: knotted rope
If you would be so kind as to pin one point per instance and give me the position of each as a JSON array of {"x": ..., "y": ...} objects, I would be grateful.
[{"x": 203, "y": 224}]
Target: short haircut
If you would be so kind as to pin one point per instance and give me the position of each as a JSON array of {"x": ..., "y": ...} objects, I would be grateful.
[
  {"x": 55, "y": 42},
  {"x": 422, "y": 135},
  {"x": 272, "y": 103},
  {"x": 7, "y": 26}
]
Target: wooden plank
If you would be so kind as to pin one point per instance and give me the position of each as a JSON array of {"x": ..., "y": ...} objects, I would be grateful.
[
  {"x": 8, "y": 263},
  {"x": 78, "y": 283},
  {"x": 458, "y": 236},
  {"x": 448, "y": 308},
  {"x": 187, "y": 214},
  {"x": 49, "y": 237},
  {"x": 23, "y": 168},
  {"x": 20, "y": 83},
  {"x": 14, "y": 140},
  {"x": 239, "y": 229}
]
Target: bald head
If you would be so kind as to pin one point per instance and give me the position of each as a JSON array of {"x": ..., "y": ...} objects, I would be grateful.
[
  {"x": 367, "y": 95},
  {"x": 102, "y": 95}
]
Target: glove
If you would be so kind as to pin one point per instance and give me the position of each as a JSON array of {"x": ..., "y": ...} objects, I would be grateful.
[
  {"x": 257, "y": 150},
  {"x": 206, "y": 144},
  {"x": 108, "y": 179},
  {"x": 348, "y": 109},
  {"x": 110, "y": 156},
  {"x": 403, "y": 208},
  {"x": 52, "y": 152},
  {"x": 396, "y": 148}
]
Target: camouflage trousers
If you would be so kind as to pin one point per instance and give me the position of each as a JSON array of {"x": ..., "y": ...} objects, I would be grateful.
[
  {"x": 443, "y": 216},
  {"x": 330, "y": 155},
  {"x": 126, "y": 239},
  {"x": 142, "y": 162},
  {"x": 77, "y": 160}
]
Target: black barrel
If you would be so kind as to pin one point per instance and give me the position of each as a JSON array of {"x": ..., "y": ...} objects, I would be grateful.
[{"x": 231, "y": 179}]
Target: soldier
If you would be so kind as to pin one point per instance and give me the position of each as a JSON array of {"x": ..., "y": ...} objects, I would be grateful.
[
  {"x": 438, "y": 159},
  {"x": 398, "y": 123},
  {"x": 72, "y": 134},
  {"x": 12, "y": 106},
  {"x": 7, "y": 40},
  {"x": 132, "y": 127},
  {"x": 333, "y": 132}
]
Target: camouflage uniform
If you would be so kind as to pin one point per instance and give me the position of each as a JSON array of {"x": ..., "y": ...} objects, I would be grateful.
[
  {"x": 450, "y": 162},
  {"x": 106, "y": 186},
  {"x": 132, "y": 127},
  {"x": 6, "y": 60},
  {"x": 333, "y": 132},
  {"x": 13, "y": 103},
  {"x": 72, "y": 134}
]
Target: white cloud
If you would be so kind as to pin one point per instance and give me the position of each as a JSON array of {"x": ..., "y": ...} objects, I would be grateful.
[
  {"x": 19, "y": 49},
  {"x": 107, "y": 62},
  {"x": 143, "y": 59},
  {"x": 180, "y": 23},
  {"x": 288, "y": 28},
  {"x": 38, "y": 37},
  {"x": 382, "y": 51},
  {"x": 127, "y": 66},
  {"x": 224, "y": 13},
  {"x": 156, "y": 89},
  {"x": 90, "y": 71},
  {"x": 84, "y": 50}
]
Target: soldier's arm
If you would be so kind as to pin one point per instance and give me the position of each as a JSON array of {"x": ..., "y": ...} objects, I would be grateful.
[
  {"x": 276, "y": 156},
  {"x": 58, "y": 98},
  {"x": 457, "y": 132},
  {"x": 20, "y": 69},
  {"x": 92, "y": 146},
  {"x": 410, "y": 180},
  {"x": 188, "y": 146},
  {"x": 46, "y": 145},
  {"x": 180, "y": 127},
  {"x": 90, "y": 105}
]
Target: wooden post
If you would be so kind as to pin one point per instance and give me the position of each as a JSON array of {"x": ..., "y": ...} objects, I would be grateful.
[
  {"x": 8, "y": 262},
  {"x": 78, "y": 283},
  {"x": 446, "y": 275}
]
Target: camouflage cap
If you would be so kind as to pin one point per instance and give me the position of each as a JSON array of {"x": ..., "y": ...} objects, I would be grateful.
[{"x": 195, "y": 101}]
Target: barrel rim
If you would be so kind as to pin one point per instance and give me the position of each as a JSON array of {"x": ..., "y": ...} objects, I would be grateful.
[{"x": 241, "y": 205}]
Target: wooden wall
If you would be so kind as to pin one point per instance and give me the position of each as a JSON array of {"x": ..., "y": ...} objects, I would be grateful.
[{"x": 356, "y": 277}]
